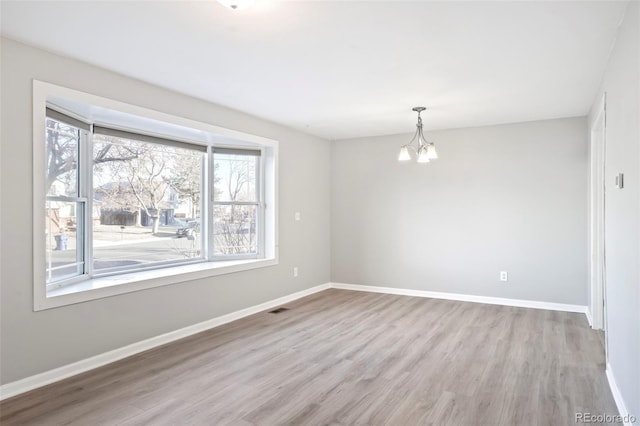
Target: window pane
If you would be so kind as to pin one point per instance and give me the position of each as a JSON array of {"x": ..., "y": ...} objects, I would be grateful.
[
  {"x": 64, "y": 251},
  {"x": 235, "y": 229},
  {"x": 61, "y": 158},
  {"x": 235, "y": 177},
  {"x": 147, "y": 203}
]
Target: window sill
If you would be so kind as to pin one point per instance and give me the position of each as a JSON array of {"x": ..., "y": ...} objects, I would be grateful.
[{"x": 98, "y": 288}]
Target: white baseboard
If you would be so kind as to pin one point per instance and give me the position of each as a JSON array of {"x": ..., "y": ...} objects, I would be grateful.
[
  {"x": 589, "y": 318},
  {"x": 32, "y": 382},
  {"x": 465, "y": 298},
  {"x": 617, "y": 396}
]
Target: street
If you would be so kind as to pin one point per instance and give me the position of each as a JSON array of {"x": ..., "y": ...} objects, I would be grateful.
[{"x": 113, "y": 248}]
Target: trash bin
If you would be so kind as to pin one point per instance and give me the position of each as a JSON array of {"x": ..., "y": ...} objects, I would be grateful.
[{"x": 61, "y": 242}]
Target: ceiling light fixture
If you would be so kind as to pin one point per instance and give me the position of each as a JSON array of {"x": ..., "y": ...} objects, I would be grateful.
[
  {"x": 425, "y": 151},
  {"x": 236, "y": 4}
]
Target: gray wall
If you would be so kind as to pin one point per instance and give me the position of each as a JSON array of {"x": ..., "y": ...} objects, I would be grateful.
[
  {"x": 622, "y": 207},
  {"x": 33, "y": 342},
  {"x": 510, "y": 197}
]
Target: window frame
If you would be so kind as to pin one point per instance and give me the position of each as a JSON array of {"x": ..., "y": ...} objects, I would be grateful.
[
  {"x": 138, "y": 137},
  {"x": 81, "y": 198},
  {"x": 259, "y": 203},
  {"x": 84, "y": 287}
]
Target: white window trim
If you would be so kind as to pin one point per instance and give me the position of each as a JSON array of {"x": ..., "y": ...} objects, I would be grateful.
[
  {"x": 260, "y": 203},
  {"x": 127, "y": 282},
  {"x": 113, "y": 285}
]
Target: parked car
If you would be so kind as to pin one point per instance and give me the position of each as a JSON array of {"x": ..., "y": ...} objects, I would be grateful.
[{"x": 192, "y": 227}]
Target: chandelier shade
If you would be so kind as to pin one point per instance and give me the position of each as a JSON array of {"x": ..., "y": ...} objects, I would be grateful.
[
  {"x": 431, "y": 152},
  {"x": 404, "y": 154},
  {"x": 423, "y": 154}
]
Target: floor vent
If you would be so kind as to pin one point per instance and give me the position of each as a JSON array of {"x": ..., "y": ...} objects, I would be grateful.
[{"x": 277, "y": 311}]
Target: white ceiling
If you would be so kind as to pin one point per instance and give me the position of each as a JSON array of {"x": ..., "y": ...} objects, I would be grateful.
[{"x": 341, "y": 69}]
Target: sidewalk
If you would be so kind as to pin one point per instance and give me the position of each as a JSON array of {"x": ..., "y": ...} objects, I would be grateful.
[{"x": 114, "y": 235}]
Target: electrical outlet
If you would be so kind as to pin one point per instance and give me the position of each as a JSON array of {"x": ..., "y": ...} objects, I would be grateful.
[
  {"x": 295, "y": 271},
  {"x": 504, "y": 276},
  {"x": 297, "y": 216}
]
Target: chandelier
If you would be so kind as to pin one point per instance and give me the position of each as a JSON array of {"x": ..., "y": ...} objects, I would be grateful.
[
  {"x": 425, "y": 151},
  {"x": 236, "y": 4}
]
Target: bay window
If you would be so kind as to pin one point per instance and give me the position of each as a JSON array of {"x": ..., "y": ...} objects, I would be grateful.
[{"x": 133, "y": 202}]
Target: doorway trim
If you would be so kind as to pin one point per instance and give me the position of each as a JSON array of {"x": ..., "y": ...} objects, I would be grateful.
[{"x": 597, "y": 305}]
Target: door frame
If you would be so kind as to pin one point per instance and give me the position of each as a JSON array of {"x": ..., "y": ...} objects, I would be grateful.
[{"x": 597, "y": 255}]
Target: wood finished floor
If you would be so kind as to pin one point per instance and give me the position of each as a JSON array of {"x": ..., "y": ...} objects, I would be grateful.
[{"x": 342, "y": 357}]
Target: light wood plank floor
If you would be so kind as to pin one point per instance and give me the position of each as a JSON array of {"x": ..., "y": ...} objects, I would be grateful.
[{"x": 342, "y": 357}]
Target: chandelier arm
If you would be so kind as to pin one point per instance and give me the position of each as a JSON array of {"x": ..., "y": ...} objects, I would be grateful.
[
  {"x": 422, "y": 141},
  {"x": 415, "y": 135},
  {"x": 425, "y": 142},
  {"x": 412, "y": 148}
]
